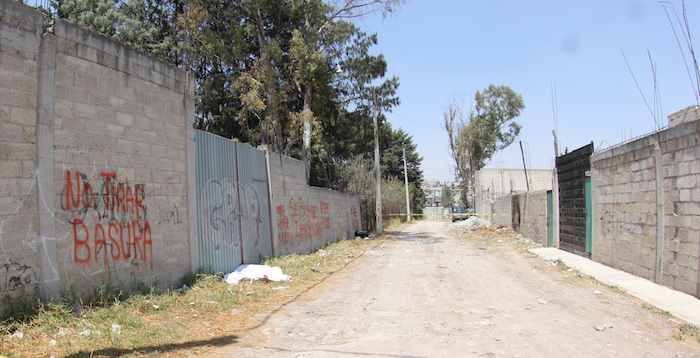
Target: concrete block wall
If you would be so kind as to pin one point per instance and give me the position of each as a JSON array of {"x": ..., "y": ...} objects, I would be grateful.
[
  {"x": 625, "y": 207},
  {"x": 502, "y": 213},
  {"x": 120, "y": 132},
  {"x": 306, "y": 218},
  {"x": 93, "y": 162},
  {"x": 492, "y": 183},
  {"x": 533, "y": 215},
  {"x": 20, "y": 40}
]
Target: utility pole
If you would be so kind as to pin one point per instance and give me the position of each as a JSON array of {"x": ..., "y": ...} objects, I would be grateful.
[
  {"x": 378, "y": 174},
  {"x": 527, "y": 182},
  {"x": 555, "y": 192},
  {"x": 307, "y": 147},
  {"x": 405, "y": 181}
]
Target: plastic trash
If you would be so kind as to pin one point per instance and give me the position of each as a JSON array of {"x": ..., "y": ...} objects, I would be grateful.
[{"x": 255, "y": 272}]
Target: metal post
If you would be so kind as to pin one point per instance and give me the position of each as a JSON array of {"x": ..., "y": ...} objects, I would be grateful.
[{"x": 405, "y": 180}]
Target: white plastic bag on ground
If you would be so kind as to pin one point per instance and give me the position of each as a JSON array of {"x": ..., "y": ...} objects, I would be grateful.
[{"x": 255, "y": 272}]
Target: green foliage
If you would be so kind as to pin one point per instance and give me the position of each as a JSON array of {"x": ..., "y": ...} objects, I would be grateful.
[
  {"x": 265, "y": 68},
  {"x": 492, "y": 126},
  {"x": 446, "y": 197}
]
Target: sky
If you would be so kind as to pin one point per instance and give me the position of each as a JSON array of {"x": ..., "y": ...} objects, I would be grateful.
[{"x": 445, "y": 51}]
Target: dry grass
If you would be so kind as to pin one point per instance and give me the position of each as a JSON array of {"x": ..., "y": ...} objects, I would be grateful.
[
  {"x": 174, "y": 323},
  {"x": 688, "y": 332}
]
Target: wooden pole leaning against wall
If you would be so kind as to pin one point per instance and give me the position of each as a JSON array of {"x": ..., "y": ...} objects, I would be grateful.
[{"x": 555, "y": 192}]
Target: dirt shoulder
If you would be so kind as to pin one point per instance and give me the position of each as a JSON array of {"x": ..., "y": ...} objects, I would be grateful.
[{"x": 175, "y": 323}]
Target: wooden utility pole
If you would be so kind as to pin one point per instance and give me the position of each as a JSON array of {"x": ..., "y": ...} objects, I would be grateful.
[
  {"x": 527, "y": 182},
  {"x": 405, "y": 181},
  {"x": 378, "y": 176}
]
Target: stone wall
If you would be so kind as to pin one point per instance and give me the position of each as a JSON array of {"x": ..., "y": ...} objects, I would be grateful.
[
  {"x": 306, "y": 218},
  {"x": 93, "y": 162},
  {"x": 624, "y": 180}
]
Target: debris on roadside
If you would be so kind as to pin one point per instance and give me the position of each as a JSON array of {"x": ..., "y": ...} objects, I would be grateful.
[
  {"x": 116, "y": 329},
  {"x": 472, "y": 223},
  {"x": 85, "y": 333},
  {"x": 603, "y": 327},
  {"x": 362, "y": 233},
  {"x": 255, "y": 272}
]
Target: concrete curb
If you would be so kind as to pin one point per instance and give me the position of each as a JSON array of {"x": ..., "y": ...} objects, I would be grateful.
[{"x": 679, "y": 304}]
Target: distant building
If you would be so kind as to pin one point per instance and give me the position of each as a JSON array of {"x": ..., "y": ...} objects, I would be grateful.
[
  {"x": 433, "y": 192},
  {"x": 492, "y": 183}
]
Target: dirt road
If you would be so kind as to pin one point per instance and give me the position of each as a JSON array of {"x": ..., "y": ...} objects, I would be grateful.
[{"x": 425, "y": 294}]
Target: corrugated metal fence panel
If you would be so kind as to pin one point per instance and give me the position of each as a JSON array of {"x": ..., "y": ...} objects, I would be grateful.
[
  {"x": 218, "y": 219},
  {"x": 255, "y": 204}
]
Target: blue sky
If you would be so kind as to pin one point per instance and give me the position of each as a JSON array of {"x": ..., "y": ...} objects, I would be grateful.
[{"x": 445, "y": 50}]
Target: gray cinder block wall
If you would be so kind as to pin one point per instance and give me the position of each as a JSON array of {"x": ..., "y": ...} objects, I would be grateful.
[
  {"x": 531, "y": 211},
  {"x": 93, "y": 162},
  {"x": 502, "y": 213},
  {"x": 20, "y": 39},
  {"x": 306, "y": 218},
  {"x": 532, "y": 208},
  {"x": 626, "y": 210},
  {"x": 492, "y": 183},
  {"x": 97, "y": 169}
]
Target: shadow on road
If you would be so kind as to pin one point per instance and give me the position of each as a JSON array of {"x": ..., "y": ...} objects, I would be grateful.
[
  {"x": 418, "y": 237},
  {"x": 164, "y": 348}
]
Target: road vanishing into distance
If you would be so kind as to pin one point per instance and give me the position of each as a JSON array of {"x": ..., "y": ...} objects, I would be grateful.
[{"x": 428, "y": 293}]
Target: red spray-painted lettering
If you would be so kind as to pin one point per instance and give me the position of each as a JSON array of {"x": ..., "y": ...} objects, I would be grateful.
[{"x": 109, "y": 222}]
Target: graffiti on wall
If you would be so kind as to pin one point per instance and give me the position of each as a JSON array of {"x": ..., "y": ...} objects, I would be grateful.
[
  {"x": 252, "y": 217},
  {"x": 299, "y": 221},
  {"x": 16, "y": 278},
  {"x": 221, "y": 211},
  {"x": 223, "y": 215},
  {"x": 108, "y": 219}
]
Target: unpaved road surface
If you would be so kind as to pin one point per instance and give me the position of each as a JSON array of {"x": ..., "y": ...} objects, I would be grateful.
[{"x": 425, "y": 294}]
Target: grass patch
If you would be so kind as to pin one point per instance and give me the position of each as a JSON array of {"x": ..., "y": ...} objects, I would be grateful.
[
  {"x": 205, "y": 314},
  {"x": 688, "y": 332},
  {"x": 656, "y": 310}
]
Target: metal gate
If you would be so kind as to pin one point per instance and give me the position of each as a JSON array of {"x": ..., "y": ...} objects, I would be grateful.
[
  {"x": 572, "y": 169},
  {"x": 233, "y": 209}
]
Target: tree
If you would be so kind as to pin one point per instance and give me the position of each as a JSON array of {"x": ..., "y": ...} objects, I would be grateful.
[
  {"x": 446, "y": 197},
  {"x": 393, "y": 141},
  {"x": 263, "y": 68},
  {"x": 491, "y": 127}
]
